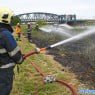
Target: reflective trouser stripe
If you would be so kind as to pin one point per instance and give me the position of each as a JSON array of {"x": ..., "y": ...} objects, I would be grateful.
[{"x": 7, "y": 65}]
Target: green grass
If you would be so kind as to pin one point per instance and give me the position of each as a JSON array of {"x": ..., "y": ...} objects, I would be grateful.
[{"x": 28, "y": 81}]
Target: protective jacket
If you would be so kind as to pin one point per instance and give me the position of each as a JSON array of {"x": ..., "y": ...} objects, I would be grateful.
[
  {"x": 10, "y": 53},
  {"x": 18, "y": 29}
]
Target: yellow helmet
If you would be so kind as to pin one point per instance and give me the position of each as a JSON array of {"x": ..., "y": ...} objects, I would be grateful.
[
  {"x": 6, "y": 15},
  {"x": 18, "y": 24}
]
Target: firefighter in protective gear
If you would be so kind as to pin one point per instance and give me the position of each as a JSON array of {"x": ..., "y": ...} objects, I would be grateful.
[
  {"x": 10, "y": 53},
  {"x": 29, "y": 29},
  {"x": 18, "y": 31}
]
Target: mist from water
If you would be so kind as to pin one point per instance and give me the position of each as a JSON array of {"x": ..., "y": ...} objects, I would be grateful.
[
  {"x": 47, "y": 28},
  {"x": 77, "y": 37},
  {"x": 61, "y": 31},
  {"x": 57, "y": 29}
]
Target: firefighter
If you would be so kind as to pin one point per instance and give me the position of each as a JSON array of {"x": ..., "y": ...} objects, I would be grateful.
[
  {"x": 18, "y": 31},
  {"x": 29, "y": 29},
  {"x": 10, "y": 53}
]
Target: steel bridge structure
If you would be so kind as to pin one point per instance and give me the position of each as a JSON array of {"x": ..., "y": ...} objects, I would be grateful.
[{"x": 49, "y": 17}]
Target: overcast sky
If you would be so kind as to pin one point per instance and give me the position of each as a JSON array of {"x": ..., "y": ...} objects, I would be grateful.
[{"x": 82, "y": 8}]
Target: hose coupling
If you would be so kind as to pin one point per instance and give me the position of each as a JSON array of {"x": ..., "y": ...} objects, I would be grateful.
[{"x": 49, "y": 79}]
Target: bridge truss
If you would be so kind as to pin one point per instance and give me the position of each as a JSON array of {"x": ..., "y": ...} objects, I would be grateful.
[{"x": 49, "y": 17}]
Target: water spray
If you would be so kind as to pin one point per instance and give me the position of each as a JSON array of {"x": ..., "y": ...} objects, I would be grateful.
[
  {"x": 75, "y": 38},
  {"x": 56, "y": 29},
  {"x": 72, "y": 39}
]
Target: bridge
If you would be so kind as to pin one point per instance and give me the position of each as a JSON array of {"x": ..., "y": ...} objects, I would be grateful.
[{"x": 49, "y": 17}]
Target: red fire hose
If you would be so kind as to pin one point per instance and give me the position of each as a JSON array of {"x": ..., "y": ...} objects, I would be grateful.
[
  {"x": 33, "y": 52},
  {"x": 72, "y": 89},
  {"x": 59, "y": 81}
]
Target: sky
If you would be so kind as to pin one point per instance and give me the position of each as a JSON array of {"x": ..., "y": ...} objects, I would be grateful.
[{"x": 84, "y": 9}]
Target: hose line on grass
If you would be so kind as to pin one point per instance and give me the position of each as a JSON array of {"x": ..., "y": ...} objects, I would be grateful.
[{"x": 72, "y": 89}]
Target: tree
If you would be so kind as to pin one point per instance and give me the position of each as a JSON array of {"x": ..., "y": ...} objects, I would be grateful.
[{"x": 16, "y": 20}]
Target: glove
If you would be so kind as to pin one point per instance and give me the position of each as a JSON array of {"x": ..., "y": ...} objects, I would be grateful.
[
  {"x": 37, "y": 50},
  {"x": 21, "y": 61}
]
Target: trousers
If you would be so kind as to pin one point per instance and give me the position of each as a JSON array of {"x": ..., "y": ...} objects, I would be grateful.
[{"x": 6, "y": 81}]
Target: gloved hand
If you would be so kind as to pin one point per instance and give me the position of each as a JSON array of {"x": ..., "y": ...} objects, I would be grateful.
[
  {"x": 37, "y": 50},
  {"x": 23, "y": 55},
  {"x": 21, "y": 60}
]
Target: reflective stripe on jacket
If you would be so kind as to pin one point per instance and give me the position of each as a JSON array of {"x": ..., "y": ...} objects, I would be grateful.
[{"x": 9, "y": 50}]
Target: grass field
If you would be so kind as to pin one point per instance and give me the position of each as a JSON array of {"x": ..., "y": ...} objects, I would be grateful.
[
  {"x": 29, "y": 81},
  {"x": 69, "y": 63}
]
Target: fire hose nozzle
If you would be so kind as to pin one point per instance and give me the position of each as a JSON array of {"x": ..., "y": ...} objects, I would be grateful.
[
  {"x": 49, "y": 79},
  {"x": 48, "y": 47}
]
